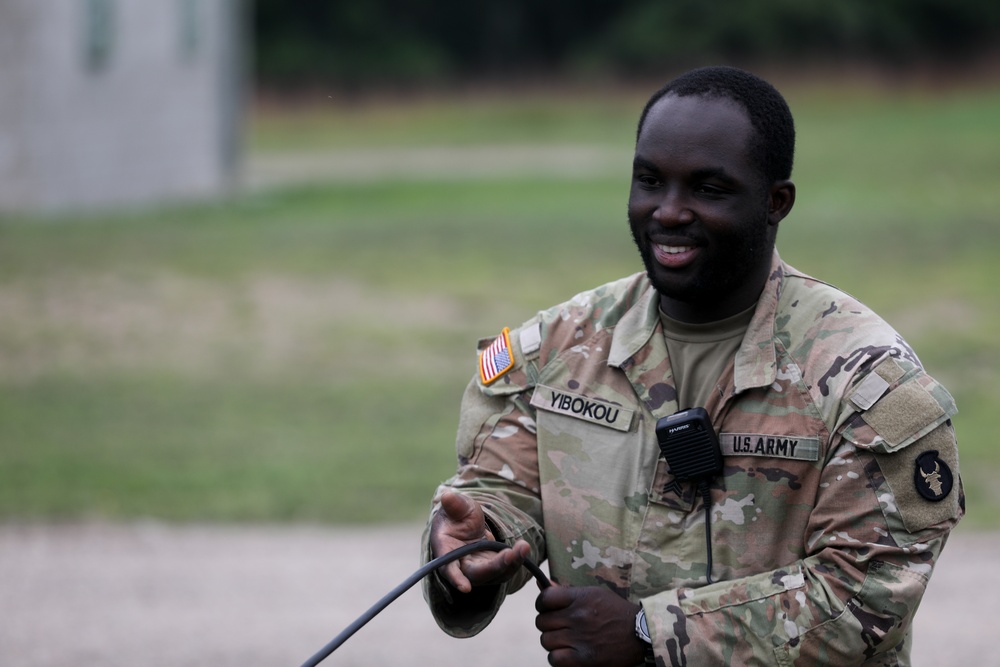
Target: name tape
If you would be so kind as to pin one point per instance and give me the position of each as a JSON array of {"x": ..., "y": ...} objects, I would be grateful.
[
  {"x": 777, "y": 446},
  {"x": 588, "y": 409}
]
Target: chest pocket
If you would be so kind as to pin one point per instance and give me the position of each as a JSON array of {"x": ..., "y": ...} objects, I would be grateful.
[
  {"x": 586, "y": 442},
  {"x": 593, "y": 469}
]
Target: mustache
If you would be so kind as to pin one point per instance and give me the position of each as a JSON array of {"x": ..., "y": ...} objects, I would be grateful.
[
  {"x": 678, "y": 240},
  {"x": 663, "y": 237},
  {"x": 675, "y": 236}
]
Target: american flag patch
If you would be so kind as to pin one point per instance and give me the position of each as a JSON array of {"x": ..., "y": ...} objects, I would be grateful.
[{"x": 497, "y": 359}]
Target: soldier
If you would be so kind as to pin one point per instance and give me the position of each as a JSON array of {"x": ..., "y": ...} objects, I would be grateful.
[{"x": 839, "y": 477}]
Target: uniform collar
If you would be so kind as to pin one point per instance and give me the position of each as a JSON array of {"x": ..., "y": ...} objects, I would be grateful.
[{"x": 756, "y": 360}]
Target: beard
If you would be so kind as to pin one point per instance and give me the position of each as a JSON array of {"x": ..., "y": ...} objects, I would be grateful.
[{"x": 729, "y": 262}]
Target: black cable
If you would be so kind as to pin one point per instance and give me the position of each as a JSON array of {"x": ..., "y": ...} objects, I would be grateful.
[
  {"x": 707, "y": 500},
  {"x": 375, "y": 609}
]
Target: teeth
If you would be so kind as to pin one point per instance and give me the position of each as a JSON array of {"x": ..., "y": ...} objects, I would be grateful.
[{"x": 673, "y": 249}]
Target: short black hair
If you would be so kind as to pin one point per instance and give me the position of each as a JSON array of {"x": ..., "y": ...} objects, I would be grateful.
[{"x": 773, "y": 146}]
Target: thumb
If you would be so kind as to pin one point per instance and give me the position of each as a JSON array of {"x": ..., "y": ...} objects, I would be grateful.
[
  {"x": 554, "y": 597},
  {"x": 457, "y": 507},
  {"x": 461, "y": 517}
]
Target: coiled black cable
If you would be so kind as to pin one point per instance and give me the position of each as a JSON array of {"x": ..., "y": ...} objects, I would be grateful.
[{"x": 389, "y": 597}]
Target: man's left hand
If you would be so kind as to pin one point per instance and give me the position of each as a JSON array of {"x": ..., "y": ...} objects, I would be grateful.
[{"x": 588, "y": 626}]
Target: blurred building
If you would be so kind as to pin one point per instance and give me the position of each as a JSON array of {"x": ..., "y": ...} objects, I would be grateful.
[{"x": 112, "y": 102}]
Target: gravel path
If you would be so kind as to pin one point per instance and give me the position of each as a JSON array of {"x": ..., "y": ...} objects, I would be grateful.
[{"x": 157, "y": 595}]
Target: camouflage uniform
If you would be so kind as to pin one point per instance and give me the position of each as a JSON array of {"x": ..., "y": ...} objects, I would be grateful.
[{"x": 825, "y": 528}]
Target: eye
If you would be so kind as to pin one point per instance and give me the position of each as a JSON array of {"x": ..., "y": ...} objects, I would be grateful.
[
  {"x": 710, "y": 190},
  {"x": 646, "y": 180}
]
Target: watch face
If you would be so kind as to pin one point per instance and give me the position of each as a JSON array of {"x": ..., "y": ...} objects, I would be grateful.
[{"x": 641, "y": 628}]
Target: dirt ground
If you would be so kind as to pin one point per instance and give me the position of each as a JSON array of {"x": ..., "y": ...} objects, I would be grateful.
[{"x": 159, "y": 595}]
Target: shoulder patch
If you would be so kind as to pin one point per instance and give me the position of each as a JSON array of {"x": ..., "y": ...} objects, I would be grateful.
[
  {"x": 496, "y": 359},
  {"x": 932, "y": 477},
  {"x": 923, "y": 482}
]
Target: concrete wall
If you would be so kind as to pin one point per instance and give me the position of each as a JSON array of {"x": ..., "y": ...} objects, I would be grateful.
[{"x": 111, "y": 102}]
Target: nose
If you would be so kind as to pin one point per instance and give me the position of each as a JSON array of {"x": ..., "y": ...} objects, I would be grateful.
[{"x": 673, "y": 210}]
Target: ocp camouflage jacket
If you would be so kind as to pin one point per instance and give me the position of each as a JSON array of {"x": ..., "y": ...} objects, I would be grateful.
[{"x": 839, "y": 487}]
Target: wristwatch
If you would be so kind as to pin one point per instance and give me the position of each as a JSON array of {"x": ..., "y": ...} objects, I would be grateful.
[
  {"x": 641, "y": 628},
  {"x": 642, "y": 632}
]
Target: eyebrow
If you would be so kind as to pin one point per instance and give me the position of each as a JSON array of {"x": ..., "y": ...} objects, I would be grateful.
[
  {"x": 713, "y": 172},
  {"x": 642, "y": 163},
  {"x": 719, "y": 173}
]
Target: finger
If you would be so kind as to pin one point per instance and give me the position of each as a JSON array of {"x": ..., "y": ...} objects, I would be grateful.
[
  {"x": 452, "y": 573},
  {"x": 553, "y": 640},
  {"x": 563, "y": 657},
  {"x": 521, "y": 549},
  {"x": 552, "y": 621},
  {"x": 442, "y": 544},
  {"x": 514, "y": 556},
  {"x": 554, "y": 598},
  {"x": 490, "y": 567}
]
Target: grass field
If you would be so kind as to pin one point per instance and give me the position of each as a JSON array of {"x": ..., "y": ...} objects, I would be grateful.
[{"x": 298, "y": 353}]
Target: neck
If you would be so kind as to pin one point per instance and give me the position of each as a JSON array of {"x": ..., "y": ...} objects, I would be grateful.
[{"x": 706, "y": 310}]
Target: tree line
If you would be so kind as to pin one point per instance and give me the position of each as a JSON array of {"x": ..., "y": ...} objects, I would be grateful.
[{"x": 355, "y": 44}]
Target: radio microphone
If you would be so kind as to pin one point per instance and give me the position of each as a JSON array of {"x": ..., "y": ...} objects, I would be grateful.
[{"x": 690, "y": 446}]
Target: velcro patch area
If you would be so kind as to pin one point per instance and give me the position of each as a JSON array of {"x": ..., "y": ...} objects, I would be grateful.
[
  {"x": 900, "y": 470},
  {"x": 903, "y": 413}
]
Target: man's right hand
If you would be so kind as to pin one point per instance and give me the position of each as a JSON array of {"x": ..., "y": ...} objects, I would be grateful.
[{"x": 461, "y": 521}]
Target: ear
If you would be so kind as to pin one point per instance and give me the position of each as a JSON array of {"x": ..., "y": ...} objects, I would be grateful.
[{"x": 780, "y": 199}]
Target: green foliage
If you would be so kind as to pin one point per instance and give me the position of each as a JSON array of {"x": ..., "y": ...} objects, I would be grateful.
[
  {"x": 382, "y": 42},
  {"x": 685, "y": 31},
  {"x": 299, "y": 354}
]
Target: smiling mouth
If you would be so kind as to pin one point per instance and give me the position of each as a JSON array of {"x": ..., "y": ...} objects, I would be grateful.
[
  {"x": 673, "y": 249},
  {"x": 674, "y": 256}
]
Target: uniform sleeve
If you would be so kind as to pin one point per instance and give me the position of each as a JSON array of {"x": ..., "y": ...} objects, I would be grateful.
[
  {"x": 498, "y": 467},
  {"x": 889, "y": 495}
]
